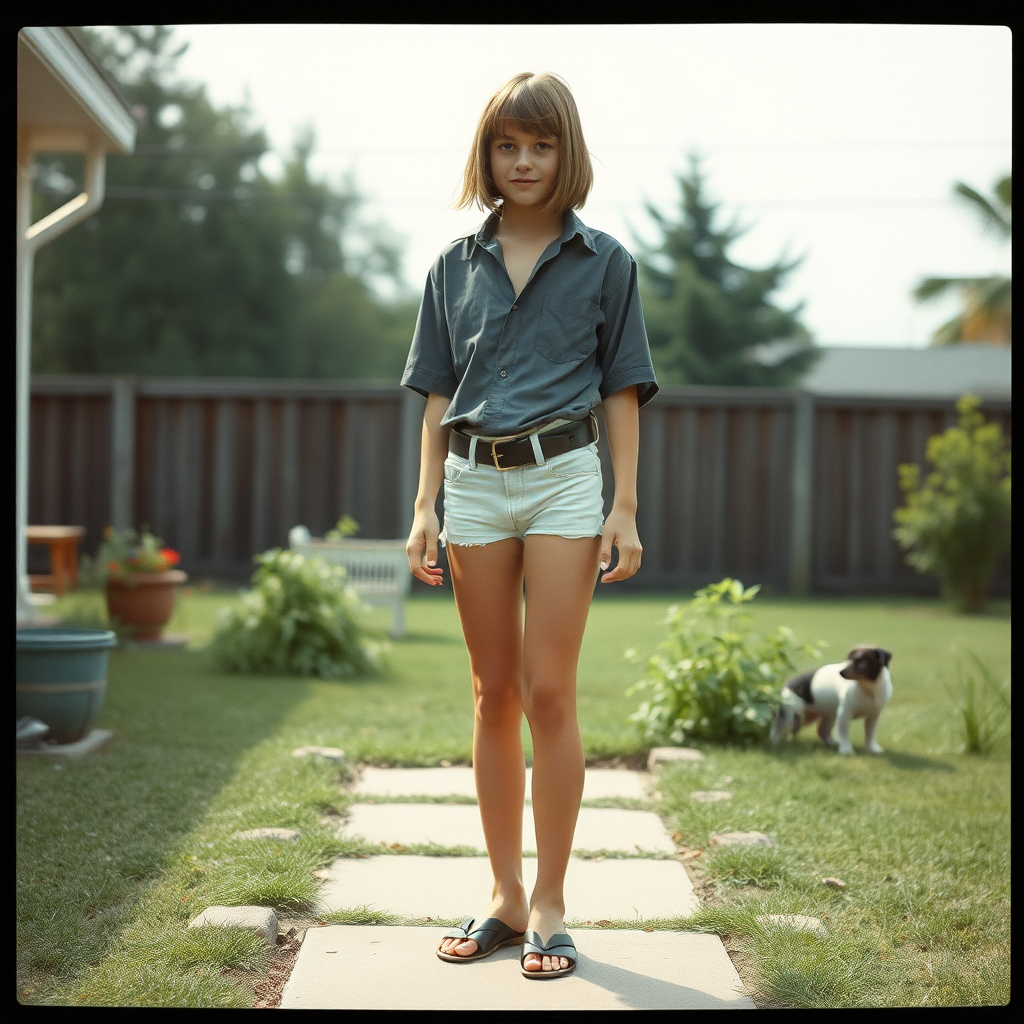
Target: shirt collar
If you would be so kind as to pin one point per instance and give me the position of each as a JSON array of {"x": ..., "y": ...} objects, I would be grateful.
[{"x": 572, "y": 226}]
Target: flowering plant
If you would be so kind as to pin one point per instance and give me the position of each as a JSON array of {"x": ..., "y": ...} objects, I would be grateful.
[{"x": 123, "y": 552}]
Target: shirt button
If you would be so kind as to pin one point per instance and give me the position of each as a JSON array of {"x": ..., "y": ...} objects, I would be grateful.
[
  {"x": 503, "y": 373},
  {"x": 515, "y": 307}
]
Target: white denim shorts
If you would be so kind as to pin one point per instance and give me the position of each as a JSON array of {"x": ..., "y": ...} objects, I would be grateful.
[{"x": 562, "y": 497}]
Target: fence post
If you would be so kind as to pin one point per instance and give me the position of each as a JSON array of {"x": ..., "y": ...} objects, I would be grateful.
[
  {"x": 122, "y": 452},
  {"x": 409, "y": 460},
  {"x": 800, "y": 499}
]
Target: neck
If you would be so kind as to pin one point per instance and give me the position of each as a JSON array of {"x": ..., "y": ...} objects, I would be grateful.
[{"x": 529, "y": 221}]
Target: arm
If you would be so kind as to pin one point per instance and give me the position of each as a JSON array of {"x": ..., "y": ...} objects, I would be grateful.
[
  {"x": 422, "y": 546},
  {"x": 623, "y": 424}
]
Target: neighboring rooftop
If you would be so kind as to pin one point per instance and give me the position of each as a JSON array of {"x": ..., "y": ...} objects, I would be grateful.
[{"x": 941, "y": 370}]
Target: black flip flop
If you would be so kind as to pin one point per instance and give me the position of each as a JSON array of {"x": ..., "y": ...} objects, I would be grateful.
[
  {"x": 558, "y": 945},
  {"x": 489, "y": 935}
]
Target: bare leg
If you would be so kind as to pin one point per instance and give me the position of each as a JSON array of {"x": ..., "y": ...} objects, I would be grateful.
[
  {"x": 560, "y": 578},
  {"x": 488, "y": 585}
]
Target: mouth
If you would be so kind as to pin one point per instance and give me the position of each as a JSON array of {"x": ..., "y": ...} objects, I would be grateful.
[{"x": 525, "y": 181}]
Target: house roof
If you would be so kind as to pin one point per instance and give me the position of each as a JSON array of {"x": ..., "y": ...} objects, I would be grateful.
[
  {"x": 946, "y": 371},
  {"x": 61, "y": 89}
]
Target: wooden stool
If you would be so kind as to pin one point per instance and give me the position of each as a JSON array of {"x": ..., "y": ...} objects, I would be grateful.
[{"x": 63, "y": 544}]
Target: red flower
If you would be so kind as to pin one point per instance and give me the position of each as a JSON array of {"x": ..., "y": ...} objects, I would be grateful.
[{"x": 171, "y": 557}]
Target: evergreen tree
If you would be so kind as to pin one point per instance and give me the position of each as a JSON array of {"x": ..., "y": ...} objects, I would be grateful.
[
  {"x": 709, "y": 318},
  {"x": 197, "y": 263}
]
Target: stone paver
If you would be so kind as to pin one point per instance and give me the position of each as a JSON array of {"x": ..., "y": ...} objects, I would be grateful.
[
  {"x": 369, "y": 967},
  {"x": 739, "y": 839},
  {"x": 798, "y": 921},
  {"x": 457, "y": 887},
  {"x": 599, "y": 783},
  {"x": 331, "y": 753},
  {"x": 459, "y": 825},
  {"x": 282, "y": 834},
  {"x": 663, "y": 755},
  {"x": 260, "y": 919}
]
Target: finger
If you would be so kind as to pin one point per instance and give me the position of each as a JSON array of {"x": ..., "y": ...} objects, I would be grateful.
[
  {"x": 629, "y": 562},
  {"x": 607, "y": 543}
]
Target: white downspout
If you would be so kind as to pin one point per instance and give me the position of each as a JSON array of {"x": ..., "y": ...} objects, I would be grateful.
[{"x": 30, "y": 238}]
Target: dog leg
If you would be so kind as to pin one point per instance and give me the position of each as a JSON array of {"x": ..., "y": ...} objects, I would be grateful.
[
  {"x": 869, "y": 735},
  {"x": 843, "y": 723},
  {"x": 825, "y": 731}
]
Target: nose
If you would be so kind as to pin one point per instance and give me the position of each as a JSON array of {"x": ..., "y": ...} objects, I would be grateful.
[{"x": 523, "y": 158}]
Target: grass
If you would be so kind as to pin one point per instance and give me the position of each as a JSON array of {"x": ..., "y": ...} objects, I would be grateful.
[{"x": 118, "y": 851}]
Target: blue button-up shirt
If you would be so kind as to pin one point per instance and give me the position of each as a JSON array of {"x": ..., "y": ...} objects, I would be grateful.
[{"x": 574, "y": 334}]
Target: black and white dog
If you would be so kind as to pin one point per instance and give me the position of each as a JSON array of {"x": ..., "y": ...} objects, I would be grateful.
[{"x": 834, "y": 695}]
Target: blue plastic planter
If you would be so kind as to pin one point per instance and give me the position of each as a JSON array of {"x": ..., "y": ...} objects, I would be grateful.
[{"x": 62, "y": 678}]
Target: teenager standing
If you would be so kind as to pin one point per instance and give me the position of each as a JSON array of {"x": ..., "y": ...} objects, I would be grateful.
[{"x": 524, "y": 327}]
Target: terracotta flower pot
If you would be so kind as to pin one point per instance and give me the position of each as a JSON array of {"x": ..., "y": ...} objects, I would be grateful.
[{"x": 143, "y": 602}]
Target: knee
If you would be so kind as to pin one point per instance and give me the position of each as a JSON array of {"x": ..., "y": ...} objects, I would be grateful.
[
  {"x": 548, "y": 703},
  {"x": 498, "y": 704}
]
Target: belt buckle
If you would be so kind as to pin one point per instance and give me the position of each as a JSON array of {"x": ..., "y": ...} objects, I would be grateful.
[{"x": 498, "y": 455}]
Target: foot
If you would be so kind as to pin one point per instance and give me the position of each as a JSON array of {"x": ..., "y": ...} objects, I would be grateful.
[
  {"x": 546, "y": 922},
  {"x": 513, "y": 912}
]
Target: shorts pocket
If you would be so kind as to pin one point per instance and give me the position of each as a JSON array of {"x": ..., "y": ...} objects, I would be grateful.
[
  {"x": 567, "y": 331},
  {"x": 453, "y": 470},
  {"x": 582, "y": 462}
]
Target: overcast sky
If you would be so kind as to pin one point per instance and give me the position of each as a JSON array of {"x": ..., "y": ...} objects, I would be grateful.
[{"x": 837, "y": 142}]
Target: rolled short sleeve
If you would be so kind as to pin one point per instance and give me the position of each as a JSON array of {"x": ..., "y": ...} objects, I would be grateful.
[
  {"x": 430, "y": 367},
  {"x": 623, "y": 352}
]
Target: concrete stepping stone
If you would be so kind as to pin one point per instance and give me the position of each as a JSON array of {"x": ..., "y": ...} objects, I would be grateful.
[
  {"x": 598, "y": 783},
  {"x": 262, "y": 920},
  {"x": 342, "y": 967},
  {"x": 456, "y": 887},
  {"x": 664, "y": 755},
  {"x": 282, "y": 834},
  {"x": 603, "y": 828},
  {"x": 739, "y": 839},
  {"x": 798, "y": 921}
]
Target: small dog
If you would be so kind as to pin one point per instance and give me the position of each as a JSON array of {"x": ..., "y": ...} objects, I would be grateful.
[{"x": 834, "y": 695}]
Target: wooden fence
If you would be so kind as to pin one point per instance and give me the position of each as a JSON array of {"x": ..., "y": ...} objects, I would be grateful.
[{"x": 773, "y": 486}]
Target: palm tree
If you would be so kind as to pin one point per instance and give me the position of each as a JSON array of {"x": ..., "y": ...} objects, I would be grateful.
[{"x": 986, "y": 300}]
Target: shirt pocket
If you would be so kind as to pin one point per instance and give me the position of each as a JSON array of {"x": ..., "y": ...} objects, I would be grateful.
[{"x": 567, "y": 331}]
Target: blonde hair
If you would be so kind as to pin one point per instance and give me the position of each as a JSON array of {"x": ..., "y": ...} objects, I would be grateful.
[{"x": 535, "y": 105}]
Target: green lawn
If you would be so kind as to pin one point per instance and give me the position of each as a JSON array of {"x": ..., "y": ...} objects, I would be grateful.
[{"x": 116, "y": 852}]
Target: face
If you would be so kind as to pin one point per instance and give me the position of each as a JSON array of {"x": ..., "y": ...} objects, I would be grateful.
[
  {"x": 866, "y": 663},
  {"x": 524, "y": 167}
]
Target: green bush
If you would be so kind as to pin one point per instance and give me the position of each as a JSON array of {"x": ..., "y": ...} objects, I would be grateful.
[
  {"x": 716, "y": 680},
  {"x": 957, "y": 524},
  {"x": 298, "y": 618}
]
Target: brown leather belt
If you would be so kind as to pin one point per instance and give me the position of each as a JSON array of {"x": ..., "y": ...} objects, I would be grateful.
[{"x": 508, "y": 453}]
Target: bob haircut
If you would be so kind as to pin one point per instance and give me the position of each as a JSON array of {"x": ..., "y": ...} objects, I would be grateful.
[{"x": 534, "y": 105}]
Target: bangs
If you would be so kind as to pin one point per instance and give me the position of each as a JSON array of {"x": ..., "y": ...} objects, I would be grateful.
[{"x": 537, "y": 105}]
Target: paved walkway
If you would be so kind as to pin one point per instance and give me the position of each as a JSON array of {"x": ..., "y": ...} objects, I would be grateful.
[{"x": 626, "y": 878}]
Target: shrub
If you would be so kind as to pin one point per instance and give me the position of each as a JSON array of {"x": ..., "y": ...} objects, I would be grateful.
[
  {"x": 299, "y": 617},
  {"x": 716, "y": 680},
  {"x": 982, "y": 704},
  {"x": 957, "y": 524}
]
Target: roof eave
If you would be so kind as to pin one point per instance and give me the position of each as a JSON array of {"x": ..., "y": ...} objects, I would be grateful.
[{"x": 65, "y": 59}]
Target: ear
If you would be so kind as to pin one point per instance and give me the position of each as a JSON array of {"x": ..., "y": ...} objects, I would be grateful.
[
  {"x": 847, "y": 673},
  {"x": 885, "y": 655}
]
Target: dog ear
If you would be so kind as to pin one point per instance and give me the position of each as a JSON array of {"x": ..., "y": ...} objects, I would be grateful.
[{"x": 885, "y": 655}]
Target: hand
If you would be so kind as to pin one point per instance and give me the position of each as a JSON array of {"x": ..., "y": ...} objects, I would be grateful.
[
  {"x": 422, "y": 549},
  {"x": 620, "y": 533}
]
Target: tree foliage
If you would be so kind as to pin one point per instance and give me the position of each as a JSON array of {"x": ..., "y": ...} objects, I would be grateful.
[
  {"x": 986, "y": 302},
  {"x": 198, "y": 263},
  {"x": 710, "y": 320},
  {"x": 956, "y": 524}
]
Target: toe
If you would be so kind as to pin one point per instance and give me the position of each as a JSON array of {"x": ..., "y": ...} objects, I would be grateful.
[{"x": 532, "y": 962}]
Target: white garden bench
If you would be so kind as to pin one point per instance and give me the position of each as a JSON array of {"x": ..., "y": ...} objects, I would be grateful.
[{"x": 378, "y": 570}]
